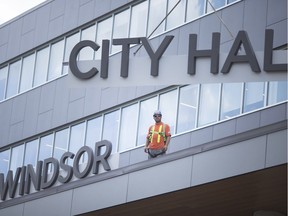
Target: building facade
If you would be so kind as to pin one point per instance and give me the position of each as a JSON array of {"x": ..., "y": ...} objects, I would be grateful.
[{"x": 80, "y": 80}]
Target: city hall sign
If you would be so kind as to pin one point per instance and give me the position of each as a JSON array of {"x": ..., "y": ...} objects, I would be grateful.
[
  {"x": 50, "y": 171},
  {"x": 240, "y": 61}
]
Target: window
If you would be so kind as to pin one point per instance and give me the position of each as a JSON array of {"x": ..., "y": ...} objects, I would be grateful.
[
  {"x": 157, "y": 12},
  {"x": 215, "y": 3},
  {"x": 45, "y": 147},
  {"x": 16, "y": 158},
  {"x": 128, "y": 129},
  {"x": 110, "y": 129},
  {"x": 254, "y": 96},
  {"x": 231, "y": 100},
  {"x": 93, "y": 132},
  {"x": 71, "y": 41},
  {"x": 60, "y": 143},
  {"x": 4, "y": 161},
  {"x": 176, "y": 17},
  {"x": 188, "y": 108},
  {"x": 87, "y": 53},
  {"x": 41, "y": 66},
  {"x": 277, "y": 92},
  {"x": 77, "y": 136},
  {"x": 139, "y": 20},
  {"x": 13, "y": 79},
  {"x": 3, "y": 80},
  {"x": 30, "y": 156},
  {"x": 56, "y": 60},
  {"x": 195, "y": 8},
  {"x": 27, "y": 72},
  {"x": 209, "y": 104},
  {"x": 120, "y": 28},
  {"x": 147, "y": 108},
  {"x": 103, "y": 32}
]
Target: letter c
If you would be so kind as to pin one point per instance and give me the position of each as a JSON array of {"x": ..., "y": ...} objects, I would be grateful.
[{"x": 73, "y": 57}]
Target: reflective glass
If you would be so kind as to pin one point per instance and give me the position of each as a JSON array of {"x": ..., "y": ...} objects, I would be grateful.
[
  {"x": 139, "y": 20},
  {"x": 209, "y": 104},
  {"x": 195, "y": 8},
  {"x": 277, "y": 92},
  {"x": 176, "y": 17},
  {"x": 147, "y": 108},
  {"x": 60, "y": 143},
  {"x": 110, "y": 129},
  {"x": 93, "y": 132},
  {"x": 188, "y": 108},
  {"x": 231, "y": 100},
  {"x": 77, "y": 136},
  {"x": 254, "y": 96},
  {"x": 216, "y": 4},
  {"x": 30, "y": 156},
  {"x": 87, "y": 53},
  {"x": 16, "y": 158},
  {"x": 120, "y": 28},
  {"x": 128, "y": 128},
  {"x": 4, "y": 161},
  {"x": 3, "y": 80},
  {"x": 104, "y": 31},
  {"x": 45, "y": 147},
  {"x": 71, "y": 41},
  {"x": 27, "y": 72},
  {"x": 157, "y": 12},
  {"x": 168, "y": 107},
  {"x": 41, "y": 66},
  {"x": 13, "y": 79},
  {"x": 56, "y": 60}
]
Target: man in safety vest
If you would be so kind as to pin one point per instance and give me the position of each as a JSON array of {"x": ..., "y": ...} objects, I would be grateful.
[{"x": 158, "y": 137}]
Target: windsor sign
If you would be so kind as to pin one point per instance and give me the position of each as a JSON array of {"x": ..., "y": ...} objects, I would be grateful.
[
  {"x": 178, "y": 67},
  {"x": 42, "y": 177}
]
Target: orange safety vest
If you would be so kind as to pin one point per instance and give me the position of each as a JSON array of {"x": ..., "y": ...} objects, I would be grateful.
[{"x": 155, "y": 135}]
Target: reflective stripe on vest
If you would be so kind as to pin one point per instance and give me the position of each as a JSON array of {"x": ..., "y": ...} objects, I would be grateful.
[{"x": 160, "y": 133}]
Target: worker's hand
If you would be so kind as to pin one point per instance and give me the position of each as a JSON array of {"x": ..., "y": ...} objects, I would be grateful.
[
  {"x": 146, "y": 149},
  {"x": 165, "y": 148}
]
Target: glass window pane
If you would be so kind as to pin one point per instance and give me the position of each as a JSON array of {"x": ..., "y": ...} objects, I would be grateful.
[
  {"x": 254, "y": 96},
  {"x": 120, "y": 28},
  {"x": 103, "y": 32},
  {"x": 93, "y": 132},
  {"x": 45, "y": 147},
  {"x": 87, "y": 53},
  {"x": 56, "y": 60},
  {"x": 231, "y": 100},
  {"x": 41, "y": 66},
  {"x": 110, "y": 129},
  {"x": 216, "y": 4},
  {"x": 13, "y": 79},
  {"x": 209, "y": 104},
  {"x": 27, "y": 73},
  {"x": 128, "y": 129},
  {"x": 139, "y": 20},
  {"x": 188, "y": 107},
  {"x": 3, "y": 80},
  {"x": 176, "y": 17},
  {"x": 168, "y": 107},
  {"x": 157, "y": 12},
  {"x": 30, "y": 156},
  {"x": 61, "y": 143},
  {"x": 195, "y": 8},
  {"x": 4, "y": 161},
  {"x": 17, "y": 157},
  {"x": 71, "y": 41},
  {"x": 147, "y": 109},
  {"x": 77, "y": 137},
  {"x": 277, "y": 92}
]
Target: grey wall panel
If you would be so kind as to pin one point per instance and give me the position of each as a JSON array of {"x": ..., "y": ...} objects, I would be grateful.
[
  {"x": 47, "y": 97},
  {"x": 109, "y": 97},
  {"x": 172, "y": 49},
  {"x": 273, "y": 115},
  {"x": 160, "y": 179},
  {"x": 29, "y": 22},
  {"x": 117, "y": 3},
  {"x": 57, "y": 205},
  {"x": 3, "y": 51},
  {"x": 99, "y": 195},
  {"x": 42, "y": 23},
  {"x": 178, "y": 143},
  {"x": 201, "y": 136},
  {"x": 243, "y": 157},
  {"x": 15, "y": 132},
  {"x": 27, "y": 41},
  {"x": 255, "y": 12},
  {"x": 190, "y": 28},
  {"x": 126, "y": 93},
  {"x": 44, "y": 121},
  {"x": 248, "y": 122},
  {"x": 224, "y": 129},
  {"x": 92, "y": 101},
  {"x": 101, "y": 7},
  {"x": 137, "y": 155},
  {"x": 18, "y": 108},
  {"x": 5, "y": 115},
  {"x": 280, "y": 33},
  {"x": 57, "y": 9},
  {"x": 76, "y": 94},
  {"x": 31, "y": 112},
  {"x": 71, "y": 15},
  {"x": 86, "y": 12},
  {"x": 276, "y": 148},
  {"x": 280, "y": 7},
  {"x": 75, "y": 110},
  {"x": 15, "y": 210},
  {"x": 55, "y": 27},
  {"x": 14, "y": 38}
]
